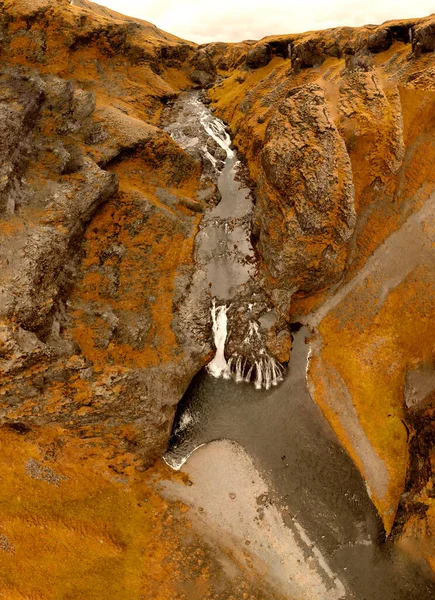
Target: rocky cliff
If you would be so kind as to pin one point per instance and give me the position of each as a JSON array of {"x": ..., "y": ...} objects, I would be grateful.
[
  {"x": 96, "y": 234},
  {"x": 99, "y": 208}
]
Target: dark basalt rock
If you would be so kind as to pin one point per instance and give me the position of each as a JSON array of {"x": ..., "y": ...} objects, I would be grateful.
[
  {"x": 379, "y": 41},
  {"x": 202, "y": 62},
  {"x": 313, "y": 52},
  {"x": 203, "y": 69},
  {"x": 202, "y": 79},
  {"x": 280, "y": 48},
  {"x": 174, "y": 55},
  {"x": 382, "y": 38},
  {"x": 259, "y": 56},
  {"x": 423, "y": 39},
  {"x": 401, "y": 33}
]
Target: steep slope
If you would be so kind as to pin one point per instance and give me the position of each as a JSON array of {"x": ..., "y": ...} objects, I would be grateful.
[{"x": 151, "y": 30}]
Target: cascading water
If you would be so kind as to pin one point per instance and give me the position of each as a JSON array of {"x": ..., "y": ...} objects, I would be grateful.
[
  {"x": 261, "y": 368},
  {"x": 225, "y": 259},
  {"x": 216, "y": 129},
  {"x": 320, "y": 494},
  {"x": 219, "y": 367}
]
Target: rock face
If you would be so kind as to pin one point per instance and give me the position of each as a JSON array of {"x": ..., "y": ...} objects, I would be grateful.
[
  {"x": 203, "y": 69},
  {"x": 259, "y": 56},
  {"x": 94, "y": 259},
  {"x": 304, "y": 159}
]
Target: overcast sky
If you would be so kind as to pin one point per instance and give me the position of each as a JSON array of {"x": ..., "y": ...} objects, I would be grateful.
[{"x": 236, "y": 20}]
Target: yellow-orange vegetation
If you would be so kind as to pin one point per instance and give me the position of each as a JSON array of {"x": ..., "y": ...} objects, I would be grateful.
[
  {"x": 73, "y": 527},
  {"x": 372, "y": 355}
]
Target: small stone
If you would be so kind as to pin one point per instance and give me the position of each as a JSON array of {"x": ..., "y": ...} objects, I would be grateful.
[
  {"x": 189, "y": 483},
  {"x": 6, "y": 545},
  {"x": 232, "y": 495},
  {"x": 36, "y": 470}
]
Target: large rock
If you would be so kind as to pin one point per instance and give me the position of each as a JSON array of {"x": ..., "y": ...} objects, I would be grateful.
[
  {"x": 380, "y": 40},
  {"x": 21, "y": 98},
  {"x": 86, "y": 343},
  {"x": 203, "y": 69},
  {"x": 313, "y": 50},
  {"x": 106, "y": 354},
  {"x": 259, "y": 56},
  {"x": 304, "y": 213},
  {"x": 423, "y": 39}
]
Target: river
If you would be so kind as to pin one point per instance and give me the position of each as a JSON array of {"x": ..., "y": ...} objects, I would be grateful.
[{"x": 267, "y": 448}]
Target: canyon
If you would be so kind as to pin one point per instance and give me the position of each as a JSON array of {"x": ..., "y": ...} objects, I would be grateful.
[{"x": 152, "y": 192}]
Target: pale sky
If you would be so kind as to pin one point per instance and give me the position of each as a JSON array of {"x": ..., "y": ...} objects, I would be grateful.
[{"x": 236, "y": 20}]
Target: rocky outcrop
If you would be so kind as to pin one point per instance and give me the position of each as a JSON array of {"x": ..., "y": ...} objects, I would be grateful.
[
  {"x": 87, "y": 343},
  {"x": 259, "y": 56},
  {"x": 99, "y": 209},
  {"x": 423, "y": 38},
  {"x": 312, "y": 51},
  {"x": 203, "y": 68},
  {"x": 36, "y": 257},
  {"x": 304, "y": 159}
]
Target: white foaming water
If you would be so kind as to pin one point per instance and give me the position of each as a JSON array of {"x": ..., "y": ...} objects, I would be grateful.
[
  {"x": 219, "y": 367},
  {"x": 186, "y": 419},
  {"x": 216, "y": 129},
  {"x": 212, "y": 126},
  {"x": 268, "y": 371}
]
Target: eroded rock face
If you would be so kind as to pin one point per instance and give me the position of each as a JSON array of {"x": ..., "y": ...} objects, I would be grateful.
[
  {"x": 94, "y": 257},
  {"x": 305, "y": 160},
  {"x": 423, "y": 38},
  {"x": 203, "y": 69},
  {"x": 259, "y": 56},
  {"x": 99, "y": 209},
  {"x": 312, "y": 51}
]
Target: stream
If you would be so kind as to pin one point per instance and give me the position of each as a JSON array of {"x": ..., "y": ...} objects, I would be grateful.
[{"x": 266, "y": 410}]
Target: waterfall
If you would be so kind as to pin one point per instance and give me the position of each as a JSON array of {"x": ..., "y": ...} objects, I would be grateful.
[
  {"x": 223, "y": 251},
  {"x": 216, "y": 129},
  {"x": 219, "y": 367},
  {"x": 263, "y": 369},
  {"x": 269, "y": 372},
  {"x": 242, "y": 367}
]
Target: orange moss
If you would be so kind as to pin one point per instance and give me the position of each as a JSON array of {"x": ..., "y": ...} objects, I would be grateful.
[
  {"x": 75, "y": 527},
  {"x": 109, "y": 539},
  {"x": 372, "y": 353}
]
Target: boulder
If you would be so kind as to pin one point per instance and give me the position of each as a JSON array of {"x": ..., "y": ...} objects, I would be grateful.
[
  {"x": 380, "y": 40},
  {"x": 304, "y": 214},
  {"x": 313, "y": 51},
  {"x": 423, "y": 39},
  {"x": 203, "y": 69},
  {"x": 259, "y": 56}
]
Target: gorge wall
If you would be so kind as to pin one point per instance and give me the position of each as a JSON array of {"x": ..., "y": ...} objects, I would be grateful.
[
  {"x": 336, "y": 128},
  {"x": 99, "y": 209}
]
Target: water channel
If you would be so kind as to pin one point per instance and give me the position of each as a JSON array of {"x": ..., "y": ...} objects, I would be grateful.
[{"x": 313, "y": 484}]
